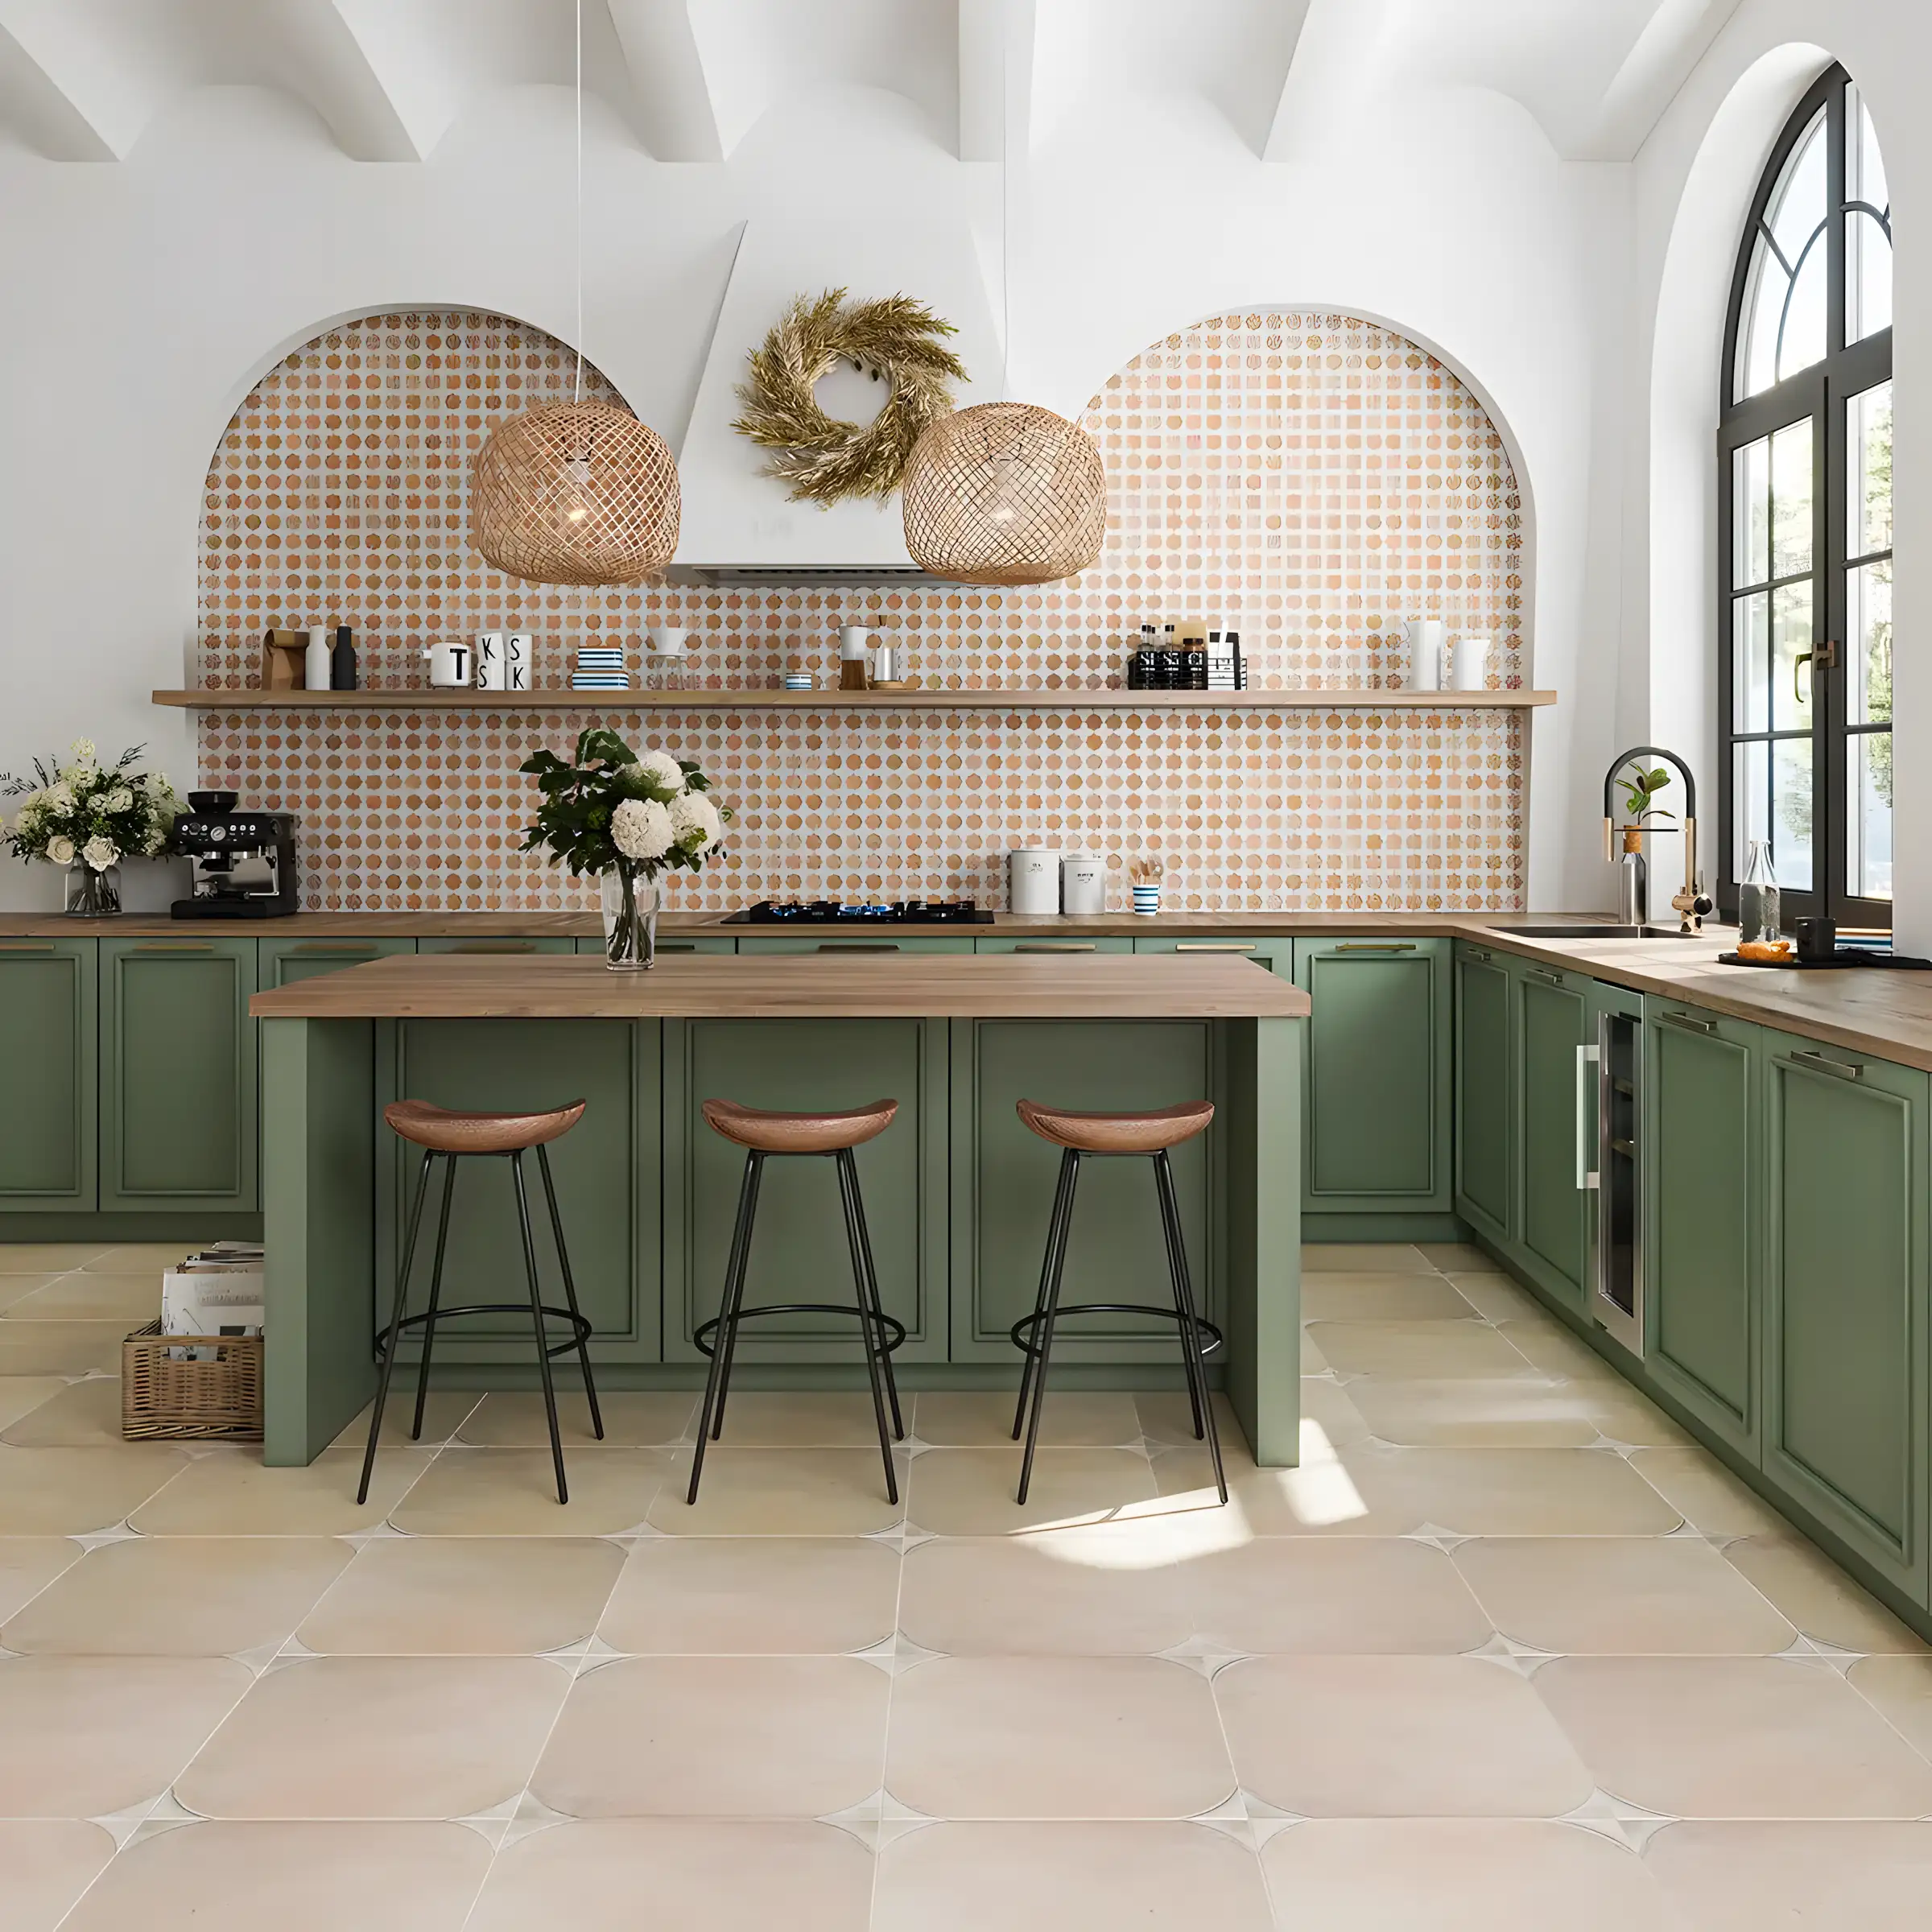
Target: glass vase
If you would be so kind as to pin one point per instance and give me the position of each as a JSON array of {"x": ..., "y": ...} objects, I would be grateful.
[
  {"x": 631, "y": 918},
  {"x": 91, "y": 894},
  {"x": 1760, "y": 910}
]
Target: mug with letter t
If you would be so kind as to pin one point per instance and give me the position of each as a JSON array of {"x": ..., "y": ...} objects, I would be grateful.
[{"x": 448, "y": 665}]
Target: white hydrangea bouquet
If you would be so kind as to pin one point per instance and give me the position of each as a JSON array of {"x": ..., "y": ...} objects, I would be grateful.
[
  {"x": 627, "y": 817},
  {"x": 89, "y": 816}
]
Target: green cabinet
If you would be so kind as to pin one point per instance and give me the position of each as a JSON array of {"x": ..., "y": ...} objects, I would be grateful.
[
  {"x": 799, "y": 1251},
  {"x": 178, "y": 1093},
  {"x": 1703, "y": 1245},
  {"x": 1484, "y": 1126},
  {"x": 820, "y": 939},
  {"x": 605, "y": 1171},
  {"x": 673, "y": 944},
  {"x": 1553, "y": 1024},
  {"x": 1005, "y": 1175},
  {"x": 1275, "y": 955},
  {"x": 486, "y": 944},
  {"x": 1376, "y": 1077},
  {"x": 283, "y": 962},
  {"x": 1845, "y": 1339},
  {"x": 48, "y": 1034}
]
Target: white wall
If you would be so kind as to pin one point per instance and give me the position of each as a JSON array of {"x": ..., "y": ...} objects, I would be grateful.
[{"x": 141, "y": 299}]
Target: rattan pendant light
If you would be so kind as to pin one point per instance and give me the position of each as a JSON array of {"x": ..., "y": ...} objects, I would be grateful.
[
  {"x": 1004, "y": 492},
  {"x": 576, "y": 492}
]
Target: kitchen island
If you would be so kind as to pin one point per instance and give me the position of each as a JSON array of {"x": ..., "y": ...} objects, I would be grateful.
[{"x": 958, "y": 1193}]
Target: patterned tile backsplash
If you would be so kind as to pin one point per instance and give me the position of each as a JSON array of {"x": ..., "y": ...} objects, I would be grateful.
[{"x": 1310, "y": 480}]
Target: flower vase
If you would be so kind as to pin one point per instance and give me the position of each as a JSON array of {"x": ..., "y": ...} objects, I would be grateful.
[
  {"x": 631, "y": 918},
  {"x": 91, "y": 894}
]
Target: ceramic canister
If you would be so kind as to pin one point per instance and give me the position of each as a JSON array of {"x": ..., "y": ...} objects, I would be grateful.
[
  {"x": 1082, "y": 884},
  {"x": 1033, "y": 880},
  {"x": 316, "y": 660},
  {"x": 1471, "y": 663},
  {"x": 1425, "y": 637}
]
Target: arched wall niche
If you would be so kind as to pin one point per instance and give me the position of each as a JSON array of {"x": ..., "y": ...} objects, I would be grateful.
[{"x": 1308, "y": 477}]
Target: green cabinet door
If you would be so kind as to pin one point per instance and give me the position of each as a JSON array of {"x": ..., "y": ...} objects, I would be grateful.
[
  {"x": 1553, "y": 1021},
  {"x": 1275, "y": 955},
  {"x": 1053, "y": 946},
  {"x": 48, "y": 1030},
  {"x": 508, "y": 944},
  {"x": 821, "y": 939},
  {"x": 605, "y": 1168},
  {"x": 799, "y": 1251},
  {"x": 1375, "y": 1077},
  {"x": 283, "y": 962},
  {"x": 674, "y": 945},
  {"x": 1484, "y": 1118},
  {"x": 1846, "y": 1301},
  {"x": 1004, "y": 1178},
  {"x": 178, "y": 1100},
  {"x": 1701, "y": 1155}
]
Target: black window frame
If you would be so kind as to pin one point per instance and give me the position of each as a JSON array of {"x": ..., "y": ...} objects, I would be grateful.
[{"x": 1820, "y": 393}]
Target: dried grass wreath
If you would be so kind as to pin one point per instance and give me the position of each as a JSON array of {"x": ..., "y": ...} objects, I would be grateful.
[{"x": 825, "y": 460}]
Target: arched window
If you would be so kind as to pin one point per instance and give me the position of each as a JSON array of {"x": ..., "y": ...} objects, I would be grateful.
[{"x": 1805, "y": 525}]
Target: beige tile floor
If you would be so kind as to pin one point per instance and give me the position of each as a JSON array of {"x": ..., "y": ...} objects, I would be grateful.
[{"x": 1505, "y": 1652}]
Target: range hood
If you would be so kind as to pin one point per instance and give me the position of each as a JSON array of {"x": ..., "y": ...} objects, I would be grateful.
[{"x": 739, "y": 525}]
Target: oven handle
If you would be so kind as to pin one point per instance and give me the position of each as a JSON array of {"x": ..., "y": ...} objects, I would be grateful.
[{"x": 1587, "y": 1059}]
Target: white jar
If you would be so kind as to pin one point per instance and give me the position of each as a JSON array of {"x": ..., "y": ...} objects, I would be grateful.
[
  {"x": 1472, "y": 661},
  {"x": 1082, "y": 884},
  {"x": 1427, "y": 639},
  {"x": 316, "y": 660},
  {"x": 1033, "y": 880}
]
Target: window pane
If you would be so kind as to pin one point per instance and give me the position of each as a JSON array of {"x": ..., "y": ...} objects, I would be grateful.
[
  {"x": 1791, "y": 812},
  {"x": 1868, "y": 470},
  {"x": 1795, "y": 213},
  {"x": 1751, "y": 662},
  {"x": 1791, "y": 500},
  {"x": 1764, "y": 310},
  {"x": 1790, "y": 639},
  {"x": 1751, "y": 512},
  {"x": 1797, "y": 208},
  {"x": 1802, "y": 340},
  {"x": 1868, "y": 614},
  {"x": 1868, "y": 815},
  {"x": 1867, "y": 246},
  {"x": 1751, "y": 814}
]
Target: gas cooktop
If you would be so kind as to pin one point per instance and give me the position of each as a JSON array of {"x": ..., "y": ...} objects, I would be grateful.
[{"x": 835, "y": 912}]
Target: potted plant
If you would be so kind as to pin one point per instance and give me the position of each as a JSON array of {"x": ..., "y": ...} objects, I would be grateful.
[
  {"x": 1638, "y": 792},
  {"x": 88, "y": 817},
  {"x": 627, "y": 817}
]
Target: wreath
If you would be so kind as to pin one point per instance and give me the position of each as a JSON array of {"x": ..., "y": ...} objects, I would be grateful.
[{"x": 823, "y": 459}]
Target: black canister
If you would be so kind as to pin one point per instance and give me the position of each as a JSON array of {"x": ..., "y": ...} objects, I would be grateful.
[{"x": 1817, "y": 941}]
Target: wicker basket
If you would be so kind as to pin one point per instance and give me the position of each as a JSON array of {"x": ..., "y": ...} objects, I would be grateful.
[{"x": 218, "y": 1401}]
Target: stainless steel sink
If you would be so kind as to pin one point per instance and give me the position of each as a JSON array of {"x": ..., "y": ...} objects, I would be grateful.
[{"x": 1577, "y": 930}]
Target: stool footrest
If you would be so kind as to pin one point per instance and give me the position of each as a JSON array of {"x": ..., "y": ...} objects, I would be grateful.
[
  {"x": 579, "y": 1324},
  {"x": 1024, "y": 1331},
  {"x": 890, "y": 1326}
]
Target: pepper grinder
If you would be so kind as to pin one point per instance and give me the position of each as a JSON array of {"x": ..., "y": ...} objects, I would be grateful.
[{"x": 317, "y": 660}]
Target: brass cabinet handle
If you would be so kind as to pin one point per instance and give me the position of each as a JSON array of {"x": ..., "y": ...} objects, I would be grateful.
[
  {"x": 860, "y": 946},
  {"x": 1376, "y": 946},
  {"x": 1549, "y": 974},
  {"x": 1214, "y": 946},
  {"x": 1479, "y": 954},
  {"x": 1688, "y": 1022},
  {"x": 1806, "y": 1062},
  {"x": 172, "y": 946},
  {"x": 26, "y": 945},
  {"x": 1063, "y": 945},
  {"x": 494, "y": 946},
  {"x": 313, "y": 949}
]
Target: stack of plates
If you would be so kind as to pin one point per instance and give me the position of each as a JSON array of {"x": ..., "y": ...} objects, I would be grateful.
[{"x": 601, "y": 667}]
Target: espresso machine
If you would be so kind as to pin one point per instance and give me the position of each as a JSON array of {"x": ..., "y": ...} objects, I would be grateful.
[{"x": 245, "y": 861}]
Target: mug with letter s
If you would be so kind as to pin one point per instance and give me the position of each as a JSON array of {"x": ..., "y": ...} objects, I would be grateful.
[
  {"x": 519, "y": 655},
  {"x": 448, "y": 665},
  {"x": 493, "y": 660}
]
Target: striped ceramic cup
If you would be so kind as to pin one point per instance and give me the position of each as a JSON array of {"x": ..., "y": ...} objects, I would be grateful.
[{"x": 1147, "y": 899}]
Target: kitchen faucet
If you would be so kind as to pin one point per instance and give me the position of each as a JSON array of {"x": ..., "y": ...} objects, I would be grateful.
[{"x": 1689, "y": 902}]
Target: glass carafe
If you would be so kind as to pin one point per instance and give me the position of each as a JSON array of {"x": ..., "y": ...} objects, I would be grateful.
[{"x": 1760, "y": 916}]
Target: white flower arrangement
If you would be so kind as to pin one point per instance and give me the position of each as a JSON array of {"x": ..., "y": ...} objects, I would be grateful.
[
  {"x": 642, "y": 812},
  {"x": 642, "y": 828},
  {"x": 81, "y": 812}
]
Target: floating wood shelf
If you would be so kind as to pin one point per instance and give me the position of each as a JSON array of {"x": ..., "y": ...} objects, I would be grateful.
[{"x": 1074, "y": 698}]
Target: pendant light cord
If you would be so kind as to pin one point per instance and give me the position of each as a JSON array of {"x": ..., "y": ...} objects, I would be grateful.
[
  {"x": 578, "y": 396},
  {"x": 1005, "y": 220}
]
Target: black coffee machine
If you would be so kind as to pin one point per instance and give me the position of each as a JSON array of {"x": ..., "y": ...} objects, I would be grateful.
[{"x": 245, "y": 861}]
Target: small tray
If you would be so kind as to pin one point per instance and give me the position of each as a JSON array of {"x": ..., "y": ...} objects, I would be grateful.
[{"x": 1846, "y": 956}]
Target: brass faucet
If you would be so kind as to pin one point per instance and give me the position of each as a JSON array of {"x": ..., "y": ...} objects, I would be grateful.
[{"x": 1691, "y": 903}]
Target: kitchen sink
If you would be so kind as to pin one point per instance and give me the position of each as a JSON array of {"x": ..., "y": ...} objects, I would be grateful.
[{"x": 1577, "y": 930}]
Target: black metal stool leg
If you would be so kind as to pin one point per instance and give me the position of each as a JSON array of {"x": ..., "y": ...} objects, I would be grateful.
[
  {"x": 435, "y": 1295},
  {"x": 873, "y": 1307},
  {"x": 536, "y": 1320},
  {"x": 1039, "y": 1300},
  {"x": 1056, "y": 1266},
  {"x": 570, "y": 1291},
  {"x": 728, "y": 1303},
  {"x": 855, "y": 1239},
  {"x": 395, "y": 1326},
  {"x": 1192, "y": 1355}
]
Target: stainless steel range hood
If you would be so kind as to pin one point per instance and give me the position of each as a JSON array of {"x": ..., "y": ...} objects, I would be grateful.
[{"x": 739, "y": 526}]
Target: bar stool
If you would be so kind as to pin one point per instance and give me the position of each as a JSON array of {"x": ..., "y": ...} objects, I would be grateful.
[
  {"x": 452, "y": 1136},
  {"x": 1079, "y": 1135},
  {"x": 762, "y": 1134}
]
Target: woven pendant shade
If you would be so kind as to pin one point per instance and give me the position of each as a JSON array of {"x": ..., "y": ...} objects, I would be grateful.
[
  {"x": 1004, "y": 492},
  {"x": 576, "y": 492}
]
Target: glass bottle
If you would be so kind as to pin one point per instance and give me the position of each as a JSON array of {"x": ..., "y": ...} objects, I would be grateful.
[{"x": 1760, "y": 917}]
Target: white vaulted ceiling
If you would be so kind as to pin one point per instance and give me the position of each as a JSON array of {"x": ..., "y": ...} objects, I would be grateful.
[{"x": 83, "y": 79}]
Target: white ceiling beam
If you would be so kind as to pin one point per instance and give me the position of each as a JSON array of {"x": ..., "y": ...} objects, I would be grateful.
[
  {"x": 1278, "y": 140},
  {"x": 676, "y": 107},
  {"x": 329, "y": 58},
  {"x": 63, "y": 89},
  {"x": 1336, "y": 57},
  {"x": 998, "y": 49},
  {"x": 1674, "y": 39},
  {"x": 42, "y": 113}
]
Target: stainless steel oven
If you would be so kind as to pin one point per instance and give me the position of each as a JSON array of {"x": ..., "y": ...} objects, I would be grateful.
[{"x": 1609, "y": 1129}]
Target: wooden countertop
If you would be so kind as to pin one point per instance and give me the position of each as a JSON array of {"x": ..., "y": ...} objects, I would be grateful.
[{"x": 797, "y": 986}]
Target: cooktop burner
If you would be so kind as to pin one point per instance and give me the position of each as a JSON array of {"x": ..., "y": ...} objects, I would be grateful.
[{"x": 835, "y": 912}]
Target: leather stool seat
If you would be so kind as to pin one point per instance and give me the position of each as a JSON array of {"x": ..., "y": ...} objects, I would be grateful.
[
  {"x": 437, "y": 1128},
  {"x": 1146, "y": 1133},
  {"x": 768, "y": 1132}
]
